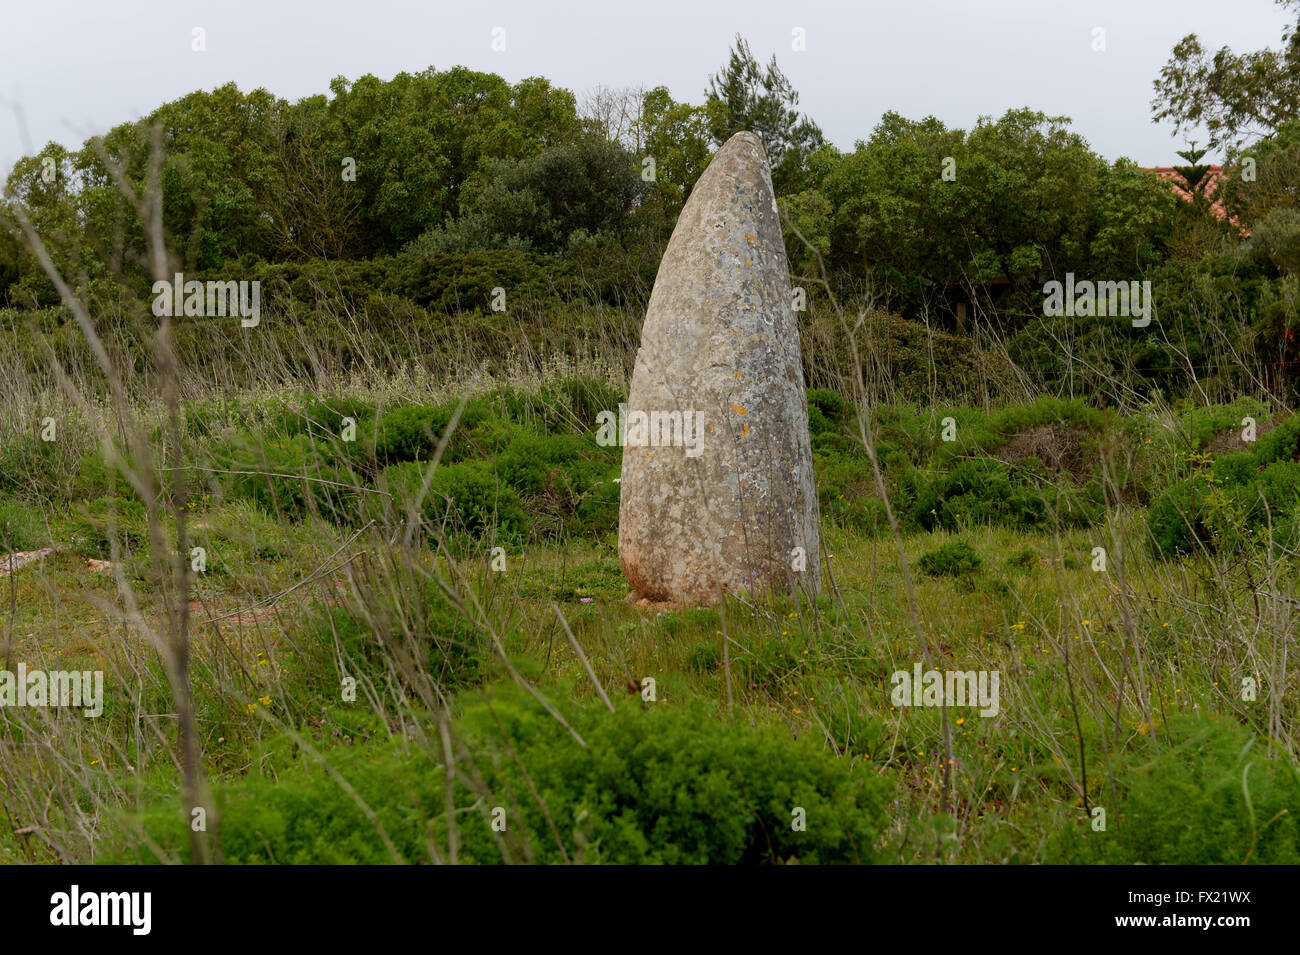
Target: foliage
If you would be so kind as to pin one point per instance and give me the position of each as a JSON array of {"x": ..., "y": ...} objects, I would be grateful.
[
  {"x": 564, "y": 198},
  {"x": 745, "y": 96},
  {"x": 953, "y": 559},
  {"x": 674, "y": 785},
  {"x": 1209, "y": 795},
  {"x": 1234, "y": 501},
  {"x": 21, "y": 528},
  {"x": 665, "y": 785},
  {"x": 1232, "y": 95}
]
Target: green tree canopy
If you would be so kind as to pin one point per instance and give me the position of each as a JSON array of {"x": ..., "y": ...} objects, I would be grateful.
[
  {"x": 745, "y": 96},
  {"x": 1235, "y": 96}
]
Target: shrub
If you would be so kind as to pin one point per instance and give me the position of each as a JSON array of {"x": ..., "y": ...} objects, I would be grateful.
[
  {"x": 664, "y": 785},
  {"x": 846, "y": 492},
  {"x": 305, "y": 817},
  {"x": 430, "y": 627},
  {"x": 1235, "y": 500},
  {"x": 21, "y": 528},
  {"x": 292, "y": 477},
  {"x": 530, "y": 462},
  {"x": 1208, "y": 796},
  {"x": 1277, "y": 235},
  {"x": 96, "y": 524},
  {"x": 1176, "y": 522},
  {"x": 572, "y": 404},
  {"x": 953, "y": 559},
  {"x": 978, "y": 491},
  {"x": 1022, "y": 559},
  {"x": 465, "y": 497},
  {"x": 1203, "y": 423},
  {"x": 826, "y": 411},
  {"x": 322, "y": 417},
  {"x": 673, "y": 785},
  {"x": 411, "y": 432},
  {"x": 597, "y": 513},
  {"x": 568, "y": 481}
]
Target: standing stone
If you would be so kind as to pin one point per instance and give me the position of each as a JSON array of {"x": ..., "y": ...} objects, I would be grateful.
[{"x": 736, "y": 511}]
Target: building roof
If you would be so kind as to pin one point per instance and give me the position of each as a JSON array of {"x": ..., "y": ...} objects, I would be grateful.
[{"x": 1210, "y": 186}]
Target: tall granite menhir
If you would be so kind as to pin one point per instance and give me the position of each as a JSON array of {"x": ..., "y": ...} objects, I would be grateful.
[{"x": 737, "y": 511}]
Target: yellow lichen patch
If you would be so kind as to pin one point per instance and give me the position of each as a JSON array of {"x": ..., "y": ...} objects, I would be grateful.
[{"x": 739, "y": 409}]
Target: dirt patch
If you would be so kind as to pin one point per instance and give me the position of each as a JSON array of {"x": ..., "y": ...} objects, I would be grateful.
[
  {"x": 19, "y": 559},
  {"x": 656, "y": 606},
  {"x": 239, "y": 618},
  {"x": 1062, "y": 451},
  {"x": 1229, "y": 442}
]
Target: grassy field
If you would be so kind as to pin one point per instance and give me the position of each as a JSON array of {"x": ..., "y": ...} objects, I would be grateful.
[{"x": 415, "y": 645}]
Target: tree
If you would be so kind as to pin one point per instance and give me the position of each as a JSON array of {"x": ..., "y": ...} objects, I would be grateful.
[
  {"x": 1235, "y": 96},
  {"x": 1004, "y": 206},
  {"x": 745, "y": 96},
  {"x": 1266, "y": 178},
  {"x": 1194, "y": 173},
  {"x": 562, "y": 199},
  {"x": 1136, "y": 214},
  {"x": 676, "y": 136},
  {"x": 614, "y": 114}
]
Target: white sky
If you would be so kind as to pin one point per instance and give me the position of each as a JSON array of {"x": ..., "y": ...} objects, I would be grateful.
[{"x": 78, "y": 67}]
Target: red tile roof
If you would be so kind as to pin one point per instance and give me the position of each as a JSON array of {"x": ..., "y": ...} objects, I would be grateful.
[{"x": 1209, "y": 185}]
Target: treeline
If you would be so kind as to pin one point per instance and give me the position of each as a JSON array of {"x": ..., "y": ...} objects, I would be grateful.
[{"x": 426, "y": 172}]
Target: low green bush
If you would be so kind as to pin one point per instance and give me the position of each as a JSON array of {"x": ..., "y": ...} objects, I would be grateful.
[
  {"x": 953, "y": 559},
  {"x": 292, "y": 477},
  {"x": 1237, "y": 500},
  {"x": 21, "y": 528},
  {"x": 672, "y": 785},
  {"x": 668, "y": 784},
  {"x": 1202, "y": 423},
  {"x": 826, "y": 410},
  {"x": 1209, "y": 795},
  {"x": 411, "y": 433},
  {"x": 96, "y": 525},
  {"x": 466, "y": 497},
  {"x": 846, "y": 492},
  {"x": 431, "y": 629}
]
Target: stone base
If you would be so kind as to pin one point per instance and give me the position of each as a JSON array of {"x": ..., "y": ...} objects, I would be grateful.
[{"x": 645, "y": 603}]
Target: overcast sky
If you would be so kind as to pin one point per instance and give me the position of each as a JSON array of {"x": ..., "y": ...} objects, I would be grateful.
[{"x": 79, "y": 67}]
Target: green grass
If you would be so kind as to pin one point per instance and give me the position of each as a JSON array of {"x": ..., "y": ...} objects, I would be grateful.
[{"x": 1118, "y": 689}]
